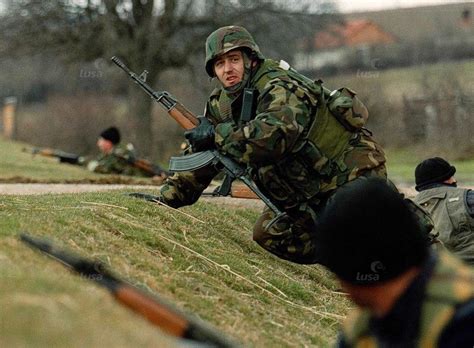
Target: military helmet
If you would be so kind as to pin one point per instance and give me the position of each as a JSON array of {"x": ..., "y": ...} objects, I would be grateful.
[{"x": 226, "y": 39}]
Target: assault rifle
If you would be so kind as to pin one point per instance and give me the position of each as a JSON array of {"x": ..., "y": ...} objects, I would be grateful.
[
  {"x": 183, "y": 116},
  {"x": 64, "y": 157},
  {"x": 231, "y": 168},
  {"x": 145, "y": 165},
  {"x": 155, "y": 309},
  {"x": 71, "y": 158}
]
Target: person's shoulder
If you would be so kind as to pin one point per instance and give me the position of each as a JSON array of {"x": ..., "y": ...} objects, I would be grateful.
[
  {"x": 216, "y": 92},
  {"x": 270, "y": 71}
]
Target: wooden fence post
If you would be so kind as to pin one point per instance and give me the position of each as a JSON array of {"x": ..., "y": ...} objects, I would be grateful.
[{"x": 9, "y": 121}]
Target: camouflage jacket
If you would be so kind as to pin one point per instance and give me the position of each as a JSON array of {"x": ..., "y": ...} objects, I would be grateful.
[
  {"x": 290, "y": 160},
  {"x": 118, "y": 161}
]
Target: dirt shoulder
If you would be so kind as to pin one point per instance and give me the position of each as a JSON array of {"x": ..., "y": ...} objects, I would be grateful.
[{"x": 39, "y": 189}]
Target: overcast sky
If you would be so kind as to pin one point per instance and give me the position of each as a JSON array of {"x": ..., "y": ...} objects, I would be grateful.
[{"x": 373, "y": 5}]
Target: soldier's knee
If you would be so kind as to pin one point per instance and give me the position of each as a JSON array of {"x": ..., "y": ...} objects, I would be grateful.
[{"x": 259, "y": 231}]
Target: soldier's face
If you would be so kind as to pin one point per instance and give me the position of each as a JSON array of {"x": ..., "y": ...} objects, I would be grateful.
[
  {"x": 104, "y": 145},
  {"x": 229, "y": 68}
]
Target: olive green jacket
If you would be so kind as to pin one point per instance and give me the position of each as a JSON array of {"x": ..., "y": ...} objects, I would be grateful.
[{"x": 448, "y": 208}]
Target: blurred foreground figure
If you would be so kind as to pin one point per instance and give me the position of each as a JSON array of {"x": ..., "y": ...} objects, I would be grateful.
[
  {"x": 119, "y": 159},
  {"x": 451, "y": 208},
  {"x": 408, "y": 295}
]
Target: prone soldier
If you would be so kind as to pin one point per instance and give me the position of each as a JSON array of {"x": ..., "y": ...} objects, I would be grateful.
[{"x": 118, "y": 159}]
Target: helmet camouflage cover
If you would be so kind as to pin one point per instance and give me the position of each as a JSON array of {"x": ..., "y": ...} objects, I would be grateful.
[{"x": 226, "y": 39}]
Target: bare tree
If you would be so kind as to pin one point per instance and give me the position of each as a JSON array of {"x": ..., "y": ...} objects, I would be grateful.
[{"x": 158, "y": 35}]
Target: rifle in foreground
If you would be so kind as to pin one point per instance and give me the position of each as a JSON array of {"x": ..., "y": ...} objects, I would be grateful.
[
  {"x": 64, "y": 157},
  {"x": 183, "y": 116},
  {"x": 155, "y": 309}
]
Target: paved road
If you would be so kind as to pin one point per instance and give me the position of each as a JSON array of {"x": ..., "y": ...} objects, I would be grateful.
[{"x": 37, "y": 189}]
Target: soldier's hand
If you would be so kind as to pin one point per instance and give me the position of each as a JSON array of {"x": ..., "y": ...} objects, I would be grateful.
[
  {"x": 201, "y": 137},
  {"x": 146, "y": 197}
]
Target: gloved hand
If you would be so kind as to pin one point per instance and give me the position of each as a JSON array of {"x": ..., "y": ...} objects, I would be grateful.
[
  {"x": 201, "y": 137},
  {"x": 146, "y": 197}
]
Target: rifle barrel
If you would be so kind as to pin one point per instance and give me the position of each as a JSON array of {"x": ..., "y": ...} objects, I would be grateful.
[{"x": 175, "y": 109}]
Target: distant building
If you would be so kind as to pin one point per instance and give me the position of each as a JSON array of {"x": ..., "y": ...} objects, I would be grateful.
[
  {"x": 335, "y": 44},
  {"x": 368, "y": 41}
]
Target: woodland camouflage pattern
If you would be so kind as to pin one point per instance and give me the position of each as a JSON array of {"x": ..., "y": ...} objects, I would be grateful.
[
  {"x": 296, "y": 161},
  {"x": 116, "y": 162}
]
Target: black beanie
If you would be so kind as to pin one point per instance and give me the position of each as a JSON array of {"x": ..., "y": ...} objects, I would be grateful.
[
  {"x": 367, "y": 234},
  {"x": 112, "y": 134},
  {"x": 431, "y": 171}
]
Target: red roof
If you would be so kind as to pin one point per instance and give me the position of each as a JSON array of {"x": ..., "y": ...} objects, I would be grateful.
[{"x": 352, "y": 33}]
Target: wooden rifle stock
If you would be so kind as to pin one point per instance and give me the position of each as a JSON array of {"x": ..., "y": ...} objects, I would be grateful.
[
  {"x": 156, "y": 310},
  {"x": 183, "y": 116},
  {"x": 242, "y": 191}
]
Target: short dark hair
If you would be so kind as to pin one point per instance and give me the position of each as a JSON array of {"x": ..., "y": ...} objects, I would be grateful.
[{"x": 111, "y": 134}]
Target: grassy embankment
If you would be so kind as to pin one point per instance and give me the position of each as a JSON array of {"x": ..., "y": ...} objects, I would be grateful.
[{"x": 205, "y": 263}]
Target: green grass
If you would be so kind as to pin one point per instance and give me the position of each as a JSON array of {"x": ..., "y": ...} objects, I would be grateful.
[{"x": 207, "y": 264}]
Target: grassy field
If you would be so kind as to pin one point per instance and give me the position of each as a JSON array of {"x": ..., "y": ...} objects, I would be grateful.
[
  {"x": 206, "y": 264},
  {"x": 200, "y": 258}
]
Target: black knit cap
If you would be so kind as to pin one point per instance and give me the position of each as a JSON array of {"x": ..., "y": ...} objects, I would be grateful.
[
  {"x": 431, "y": 171},
  {"x": 367, "y": 234},
  {"x": 112, "y": 134}
]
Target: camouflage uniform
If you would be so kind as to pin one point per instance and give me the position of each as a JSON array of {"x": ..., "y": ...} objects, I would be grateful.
[
  {"x": 297, "y": 151},
  {"x": 118, "y": 161}
]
